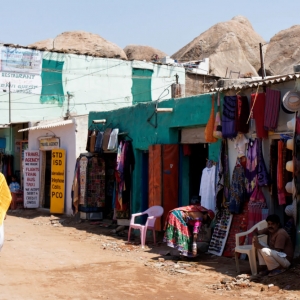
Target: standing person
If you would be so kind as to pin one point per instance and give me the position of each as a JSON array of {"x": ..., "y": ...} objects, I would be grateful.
[
  {"x": 14, "y": 185},
  {"x": 279, "y": 252},
  {"x": 5, "y": 199}
]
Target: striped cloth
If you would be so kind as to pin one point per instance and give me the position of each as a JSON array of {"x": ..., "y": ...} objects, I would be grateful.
[{"x": 272, "y": 109}]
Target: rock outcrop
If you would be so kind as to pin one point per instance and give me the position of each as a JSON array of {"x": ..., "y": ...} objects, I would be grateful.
[
  {"x": 84, "y": 43},
  {"x": 283, "y": 52},
  {"x": 230, "y": 46},
  {"x": 138, "y": 52}
]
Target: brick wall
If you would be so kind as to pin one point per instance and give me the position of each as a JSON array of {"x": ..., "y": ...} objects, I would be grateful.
[{"x": 196, "y": 84}]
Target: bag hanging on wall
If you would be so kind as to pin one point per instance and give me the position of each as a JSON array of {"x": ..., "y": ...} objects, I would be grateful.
[
  {"x": 209, "y": 129},
  {"x": 218, "y": 123}
]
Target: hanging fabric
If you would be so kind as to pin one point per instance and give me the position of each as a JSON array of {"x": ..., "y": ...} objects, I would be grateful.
[
  {"x": 228, "y": 118},
  {"x": 258, "y": 103},
  {"x": 262, "y": 173},
  {"x": 237, "y": 192},
  {"x": 83, "y": 170},
  {"x": 272, "y": 109},
  {"x": 87, "y": 148},
  {"x": 218, "y": 123},
  {"x": 251, "y": 167},
  {"x": 113, "y": 140},
  {"x": 207, "y": 188},
  {"x": 106, "y": 137},
  {"x": 280, "y": 183},
  {"x": 93, "y": 141},
  {"x": 99, "y": 140},
  {"x": 209, "y": 129},
  {"x": 242, "y": 113},
  {"x": 75, "y": 187}
]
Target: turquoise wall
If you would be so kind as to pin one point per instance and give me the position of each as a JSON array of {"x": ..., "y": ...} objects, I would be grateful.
[{"x": 187, "y": 112}]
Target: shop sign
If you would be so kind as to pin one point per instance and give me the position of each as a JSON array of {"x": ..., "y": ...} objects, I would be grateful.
[
  {"x": 58, "y": 181},
  {"x": 31, "y": 178},
  {"x": 49, "y": 143}
]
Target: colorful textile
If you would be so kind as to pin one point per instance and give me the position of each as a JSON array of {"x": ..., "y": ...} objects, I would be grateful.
[
  {"x": 83, "y": 169},
  {"x": 220, "y": 234},
  {"x": 242, "y": 114},
  {"x": 96, "y": 182},
  {"x": 251, "y": 167},
  {"x": 259, "y": 114},
  {"x": 272, "y": 109},
  {"x": 75, "y": 187},
  {"x": 237, "y": 192},
  {"x": 273, "y": 169},
  {"x": 5, "y": 198},
  {"x": 280, "y": 186},
  {"x": 228, "y": 118},
  {"x": 262, "y": 173}
]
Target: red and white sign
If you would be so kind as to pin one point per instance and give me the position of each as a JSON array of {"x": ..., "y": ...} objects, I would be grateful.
[{"x": 31, "y": 178}]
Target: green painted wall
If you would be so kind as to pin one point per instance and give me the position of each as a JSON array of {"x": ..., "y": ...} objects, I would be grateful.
[{"x": 187, "y": 112}]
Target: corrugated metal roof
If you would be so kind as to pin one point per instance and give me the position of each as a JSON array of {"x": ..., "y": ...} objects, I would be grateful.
[
  {"x": 256, "y": 83},
  {"x": 56, "y": 124}
]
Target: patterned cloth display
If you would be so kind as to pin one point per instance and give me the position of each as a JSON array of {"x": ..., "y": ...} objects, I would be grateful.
[
  {"x": 96, "y": 182},
  {"x": 228, "y": 119},
  {"x": 83, "y": 168},
  {"x": 251, "y": 167}
]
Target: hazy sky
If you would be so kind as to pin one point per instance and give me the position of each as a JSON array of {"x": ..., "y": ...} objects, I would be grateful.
[{"x": 166, "y": 25}]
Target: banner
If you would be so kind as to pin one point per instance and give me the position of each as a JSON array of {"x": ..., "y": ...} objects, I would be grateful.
[
  {"x": 22, "y": 68},
  {"x": 31, "y": 178},
  {"x": 57, "y": 202}
]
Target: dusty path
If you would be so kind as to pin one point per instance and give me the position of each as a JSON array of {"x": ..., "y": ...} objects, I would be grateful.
[{"x": 44, "y": 259}]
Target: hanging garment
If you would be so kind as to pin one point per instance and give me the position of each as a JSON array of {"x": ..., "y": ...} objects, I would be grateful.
[
  {"x": 99, "y": 140},
  {"x": 262, "y": 173},
  {"x": 207, "y": 188},
  {"x": 75, "y": 188},
  {"x": 83, "y": 169},
  {"x": 93, "y": 141},
  {"x": 228, "y": 118},
  {"x": 106, "y": 137},
  {"x": 87, "y": 148},
  {"x": 251, "y": 167},
  {"x": 113, "y": 140},
  {"x": 272, "y": 109},
  {"x": 273, "y": 168},
  {"x": 258, "y": 103},
  {"x": 242, "y": 114},
  {"x": 209, "y": 129},
  {"x": 280, "y": 185},
  {"x": 186, "y": 150},
  {"x": 237, "y": 192},
  {"x": 96, "y": 182},
  {"x": 223, "y": 181},
  {"x": 240, "y": 144}
]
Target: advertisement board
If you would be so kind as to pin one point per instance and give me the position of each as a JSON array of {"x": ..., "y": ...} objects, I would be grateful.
[
  {"x": 57, "y": 193},
  {"x": 49, "y": 143},
  {"x": 31, "y": 173}
]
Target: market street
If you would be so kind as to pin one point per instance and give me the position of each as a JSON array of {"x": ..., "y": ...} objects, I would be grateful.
[{"x": 45, "y": 257}]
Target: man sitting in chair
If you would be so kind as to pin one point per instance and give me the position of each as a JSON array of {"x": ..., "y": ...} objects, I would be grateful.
[{"x": 279, "y": 251}]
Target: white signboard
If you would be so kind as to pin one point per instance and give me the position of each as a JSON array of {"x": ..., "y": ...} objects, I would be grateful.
[
  {"x": 31, "y": 178},
  {"x": 22, "y": 68}
]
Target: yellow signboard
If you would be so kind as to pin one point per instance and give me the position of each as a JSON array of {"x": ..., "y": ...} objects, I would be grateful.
[{"x": 57, "y": 203}]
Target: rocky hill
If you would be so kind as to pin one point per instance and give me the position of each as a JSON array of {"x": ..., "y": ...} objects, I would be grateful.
[
  {"x": 138, "y": 52},
  {"x": 84, "y": 43},
  {"x": 231, "y": 46},
  {"x": 283, "y": 52}
]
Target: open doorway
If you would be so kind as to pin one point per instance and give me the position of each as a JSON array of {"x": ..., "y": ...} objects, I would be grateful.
[{"x": 197, "y": 162}]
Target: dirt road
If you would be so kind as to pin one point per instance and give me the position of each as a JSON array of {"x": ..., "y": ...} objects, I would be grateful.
[{"x": 46, "y": 257}]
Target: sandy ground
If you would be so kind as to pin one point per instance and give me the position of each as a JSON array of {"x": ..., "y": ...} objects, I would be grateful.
[{"x": 48, "y": 257}]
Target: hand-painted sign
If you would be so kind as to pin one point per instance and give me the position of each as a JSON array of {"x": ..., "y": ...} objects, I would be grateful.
[
  {"x": 31, "y": 178},
  {"x": 49, "y": 143},
  {"x": 57, "y": 181},
  {"x": 22, "y": 68}
]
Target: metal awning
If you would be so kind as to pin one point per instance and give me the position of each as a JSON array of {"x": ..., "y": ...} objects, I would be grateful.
[{"x": 50, "y": 125}]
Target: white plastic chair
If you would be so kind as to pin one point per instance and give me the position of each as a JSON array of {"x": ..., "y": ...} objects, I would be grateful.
[
  {"x": 249, "y": 249},
  {"x": 153, "y": 213}
]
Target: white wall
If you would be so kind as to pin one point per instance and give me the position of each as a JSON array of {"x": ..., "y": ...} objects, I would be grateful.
[{"x": 67, "y": 137}]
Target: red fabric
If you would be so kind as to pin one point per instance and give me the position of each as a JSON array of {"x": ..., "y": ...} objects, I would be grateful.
[
  {"x": 259, "y": 114},
  {"x": 186, "y": 150},
  {"x": 272, "y": 109},
  {"x": 280, "y": 185}
]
